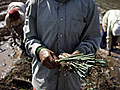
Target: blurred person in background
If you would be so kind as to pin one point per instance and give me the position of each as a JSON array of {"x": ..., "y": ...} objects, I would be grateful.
[
  {"x": 111, "y": 26},
  {"x": 14, "y": 19},
  {"x": 56, "y": 26}
]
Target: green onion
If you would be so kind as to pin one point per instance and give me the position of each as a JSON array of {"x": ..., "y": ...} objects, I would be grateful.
[{"x": 82, "y": 65}]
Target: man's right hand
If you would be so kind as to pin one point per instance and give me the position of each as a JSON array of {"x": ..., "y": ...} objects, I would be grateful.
[{"x": 48, "y": 58}]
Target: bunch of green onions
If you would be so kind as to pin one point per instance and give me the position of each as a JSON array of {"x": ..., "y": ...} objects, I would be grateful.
[{"x": 82, "y": 64}]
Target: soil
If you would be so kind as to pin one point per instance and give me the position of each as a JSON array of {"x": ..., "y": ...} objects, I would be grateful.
[{"x": 20, "y": 76}]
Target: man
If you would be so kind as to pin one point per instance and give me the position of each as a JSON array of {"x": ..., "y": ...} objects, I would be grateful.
[
  {"x": 56, "y": 26},
  {"x": 111, "y": 26},
  {"x": 15, "y": 18}
]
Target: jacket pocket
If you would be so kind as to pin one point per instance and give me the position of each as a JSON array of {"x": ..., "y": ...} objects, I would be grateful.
[{"x": 76, "y": 29}]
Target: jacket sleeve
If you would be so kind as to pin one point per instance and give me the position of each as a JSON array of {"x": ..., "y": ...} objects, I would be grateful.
[
  {"x": 105, "y": 22},
  {"x": 7, "y": 21},
  {"x": 30, "y": 28},
  {"x": 109, "y": 33},
  {"x": 109, "y": 37},
  {"x": 107, "y": 28},
  {"x": 91, "y": 37}
]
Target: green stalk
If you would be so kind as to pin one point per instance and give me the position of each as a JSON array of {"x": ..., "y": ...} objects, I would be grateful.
[
  {"x": 82, "y": 64},
  {"x": 78, "y": 68}
]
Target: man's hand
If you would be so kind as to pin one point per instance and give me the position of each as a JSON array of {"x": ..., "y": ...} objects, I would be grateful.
[
  {"x": 63, "y": 55},
  {"x": 48, "y": 58},
  {"x": 76, "y": 52}
]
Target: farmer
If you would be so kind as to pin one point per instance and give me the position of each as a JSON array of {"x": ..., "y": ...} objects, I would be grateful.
[
  {"x": 56, "y": 26},
  {"x": 111, "y": 25},
  {"x": 15, "y": 18}
]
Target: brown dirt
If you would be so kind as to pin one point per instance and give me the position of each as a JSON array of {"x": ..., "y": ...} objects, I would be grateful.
[{"x": 20, "y": 76}]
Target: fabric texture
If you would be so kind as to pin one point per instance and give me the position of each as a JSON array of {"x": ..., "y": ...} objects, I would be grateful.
[
  {"x": 116, "y": 29},
  {"x": 62, "y": 1},
  {"x": 60, "y": 27},
  {"x": 108, "y": 23},
  {"x": 103, "y": 40}
]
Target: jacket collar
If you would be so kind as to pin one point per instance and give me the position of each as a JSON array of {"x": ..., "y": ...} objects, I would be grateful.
[{"x": 62, "y": 1}]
